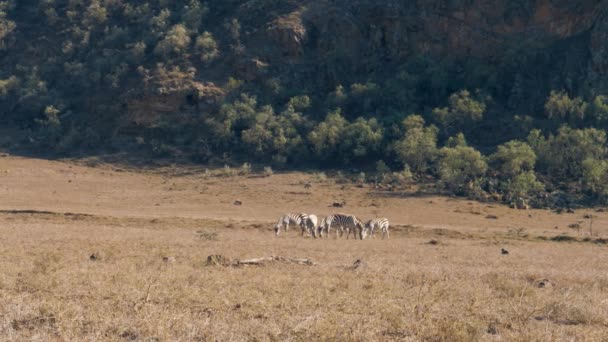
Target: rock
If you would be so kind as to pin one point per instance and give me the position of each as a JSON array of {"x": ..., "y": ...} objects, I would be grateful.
[
  {"x": 492, "y": 217},
  {"x": 96, "y": 256},
  {"x": 433, "y": 242},
  {"x": 504, "y": 251},
  {"x": 237, "y": 202},
  {"x": 169, "y": 259}
]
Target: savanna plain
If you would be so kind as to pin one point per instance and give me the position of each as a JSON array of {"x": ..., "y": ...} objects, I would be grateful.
[{"x": 93, "y": 251}]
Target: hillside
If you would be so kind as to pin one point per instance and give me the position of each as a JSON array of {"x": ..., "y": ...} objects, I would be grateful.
[{"x": 322, "y": 84}]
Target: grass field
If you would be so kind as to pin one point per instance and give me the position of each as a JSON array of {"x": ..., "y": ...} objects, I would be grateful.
[{"x": 57, "y": 215}]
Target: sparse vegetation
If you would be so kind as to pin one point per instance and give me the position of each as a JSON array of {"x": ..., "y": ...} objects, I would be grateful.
[{"x": 138, "y": 264}]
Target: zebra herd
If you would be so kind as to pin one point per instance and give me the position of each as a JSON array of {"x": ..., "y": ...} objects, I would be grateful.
[{"x": 341, "y": 223}]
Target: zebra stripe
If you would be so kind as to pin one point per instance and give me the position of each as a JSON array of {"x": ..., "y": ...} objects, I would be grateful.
[
  {"x": 377, "y": 223},
  {"x": 287, "y": 219}
]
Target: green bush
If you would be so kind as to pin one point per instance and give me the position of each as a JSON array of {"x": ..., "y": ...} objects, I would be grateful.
[
  {"x": 174, "y": 43},
  {"x": 522, "y": 186},
  {"x": 207, "y": 47},
  {"x": 513, "y": 158},
  {"x": 461, "y": 169},
  {"x": 462, "y": 112},
  {"x": 563, "y": 108},
  {"x": 561, "y": 155},
  {"x": 418, "y": 147},
  {"x": 595, "y": 177}
]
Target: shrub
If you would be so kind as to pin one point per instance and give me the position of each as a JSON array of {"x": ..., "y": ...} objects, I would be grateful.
[
  {"x": 267, "y": 171},
  {"x": 207, "y": 47},
  {"x": 522, "y": 186},
  {"x": 462, "y": 112},
  {"x": 460, "y": 169},
  {"x": 513, "y": 158},
  {"x": 175, "y": 42},
  {"x": 560, "y": 106},
  {"x": 595, "y": 177},
  {"x": 245, "y": 169},
  {"x": 598, "y": 110},
  {"x": 561, "y": 156},
  {"x": 418, "y": 147}
]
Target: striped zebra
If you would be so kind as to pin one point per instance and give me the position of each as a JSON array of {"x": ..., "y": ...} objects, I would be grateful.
[
  {"x": 309, "y": 223},
  {"x": 381, "y": 224},
  {"x": 288, "y": 219},
  {"x": 342, "y": 222},
  {"x": 324, "y": 226}
]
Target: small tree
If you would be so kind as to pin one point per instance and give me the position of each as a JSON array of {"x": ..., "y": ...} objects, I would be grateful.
[
  {"x": 462, "y": 112},
  {"x": 460, "y": 169},
  {"x": 561, "y": 107},
  {"x": 598, "y": 110},
  {"x": 175, "y": 42},
  {"x": 418, "y": 147},
  {"x": 522, "y": 186},
  {"x": 595, "y": 177},
  {"x": 206, "y": 46},
  {"x": 561, "y": 155},
  {"x": 513, "y": 158},
  {"x": 457, "y": 140},
  {"x": 327, "y": 137}
]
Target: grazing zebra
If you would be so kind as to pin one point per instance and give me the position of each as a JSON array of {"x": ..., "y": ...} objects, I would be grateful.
[
  {"x": 342, "y": 222},
  {"x": 309, "y": 223},
  {"x": 324, "y": 226},
  {"x": 287, "y": 219},
  {"x": 380, "y": 223}
]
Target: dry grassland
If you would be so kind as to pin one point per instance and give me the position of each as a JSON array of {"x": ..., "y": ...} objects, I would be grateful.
[{"x": 460, "y": 289}]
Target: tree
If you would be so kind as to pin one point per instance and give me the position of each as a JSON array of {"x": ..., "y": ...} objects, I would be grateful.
[
  {"x": 361, "y": 139},
  {"x": 326, "y": 138},
  {"x": 595, "y": 177},
  {"x": 513, "y": 158},
  {"x": 174, "y": 43},
  {"x": 193, "y": 13},
  {"x": 206, "y": 46},
  {"x": 418, "y": 147},
  {"x": 598, "y": 110},
  {"x": 460, "y": 169},
  {"x": 522, "y": 186},
  {"x": 561, "y": 107},
  {"x": 462, "y": 112},
  {"x": 457, "y": 140},
  {"x": 561, "y": 155}
]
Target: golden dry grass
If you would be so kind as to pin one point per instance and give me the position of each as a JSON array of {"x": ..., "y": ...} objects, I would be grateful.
[{"x": 460, "y": 289}]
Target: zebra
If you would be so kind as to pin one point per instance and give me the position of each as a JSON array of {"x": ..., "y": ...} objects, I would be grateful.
[
  {"x": 324, "y": 226},
  {"x": 287, "y": 219},
  {"x": 380, "y": 223},
  {"x": 342, "y": 222},
  {"x": 309, "y": 223}
]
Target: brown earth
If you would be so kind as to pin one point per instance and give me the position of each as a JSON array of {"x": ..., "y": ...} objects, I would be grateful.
[{"x": 82, "y": 259}]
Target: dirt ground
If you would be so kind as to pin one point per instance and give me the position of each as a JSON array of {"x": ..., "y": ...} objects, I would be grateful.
[{"x": 82, "y": 245}]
